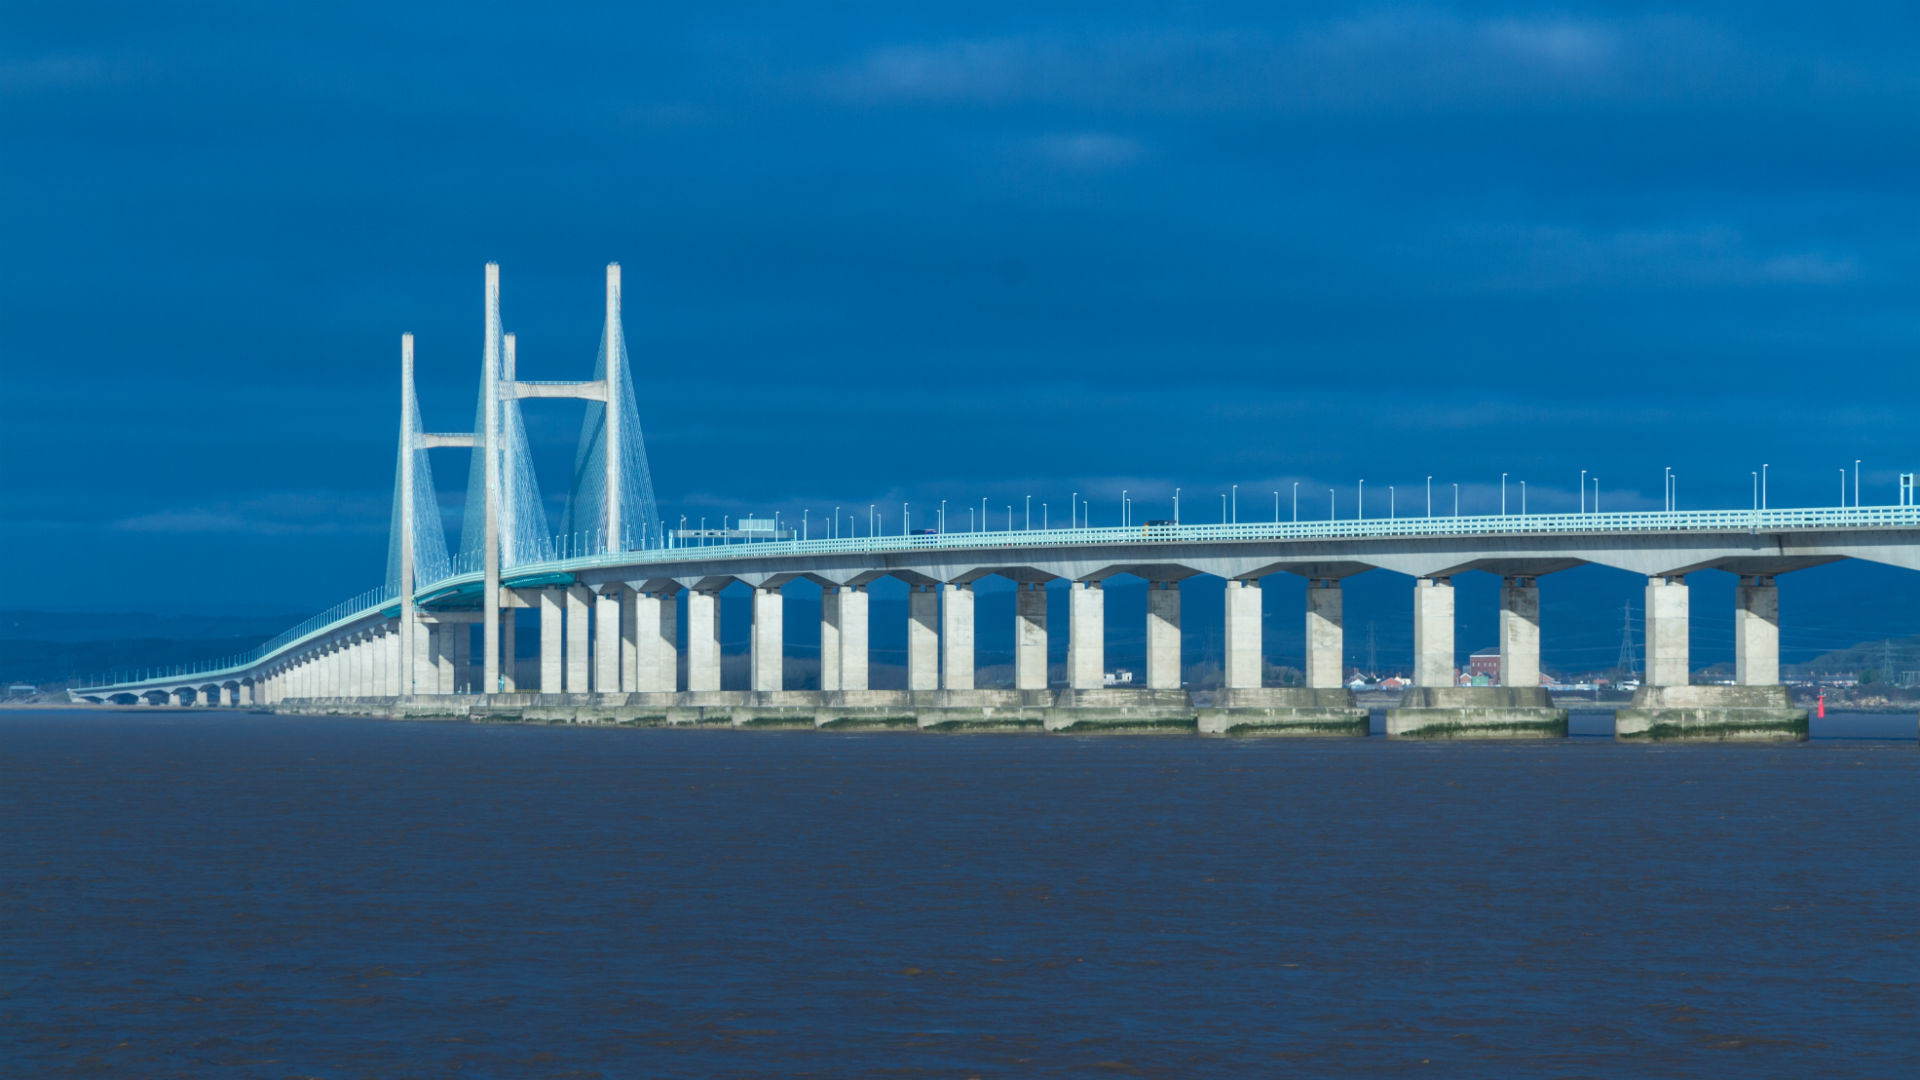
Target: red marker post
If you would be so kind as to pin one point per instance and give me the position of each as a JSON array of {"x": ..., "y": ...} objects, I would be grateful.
[{"x": 1821, "y": 707}]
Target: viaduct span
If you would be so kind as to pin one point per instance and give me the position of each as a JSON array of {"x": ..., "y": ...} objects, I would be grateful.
[{"x": 612, "y": 645}]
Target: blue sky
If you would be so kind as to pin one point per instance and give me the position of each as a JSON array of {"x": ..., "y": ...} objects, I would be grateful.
[{"x": 893, "y": 252}]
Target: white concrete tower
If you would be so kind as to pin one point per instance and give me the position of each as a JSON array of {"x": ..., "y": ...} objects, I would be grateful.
[
  {"x": 509, "y": 549},
  {"x": 490, "y": 444},
  {"x": 616, "y": 399},
  {"x": 407, "y": 435}
]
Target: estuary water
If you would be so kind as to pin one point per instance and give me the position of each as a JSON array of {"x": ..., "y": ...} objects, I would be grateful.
[{"x": 212, "y": 895}]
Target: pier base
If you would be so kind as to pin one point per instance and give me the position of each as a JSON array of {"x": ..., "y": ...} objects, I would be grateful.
[
  {"x": 1711, "y": 714},
  {"x": 1477, "y": 712},
  {"x": 1284, "y": 711}
]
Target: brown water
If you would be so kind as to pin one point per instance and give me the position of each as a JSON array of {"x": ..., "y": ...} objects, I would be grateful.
[{"x": 205, "y": 894}]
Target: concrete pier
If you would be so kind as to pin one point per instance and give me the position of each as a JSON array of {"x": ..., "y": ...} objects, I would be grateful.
[
  {"x": 923, "y": 638},
  {"x": 830, "y": 638},
  {"x": 1711, "y": 714},
  {"x": 1477, "y": 712},
  {"x": 660, "y": 643},
  {"x": 1436, "y": 708},
  {"x": 703, "y": 640},
  {"x": 1519, "y": 632},
  {"x": 1291, "y": 711},
  {"x": 766, "y": 658},
  {"x": 1244, "y": 662},
  {"x": 853, "y": 638},
  {"x": 1433, "y": 632},
  {"x": 606, "y": 640},
  {"x": 1666, "y": 631},
  {"x": 1163, "y": 635},
  {"x": 1326, "y": 636},
  {"x": 509, "y": 652},
  {"x": 1030, "y": 636},
  {"x": 1086, "y": 636},
  {"x": 579, "y": 603},
  {"x": 956, "y": 636},
  {"x": 552, "y": 644},
  {"x": 629, "y": 639},
  {"x": 1756, "y": 632}
]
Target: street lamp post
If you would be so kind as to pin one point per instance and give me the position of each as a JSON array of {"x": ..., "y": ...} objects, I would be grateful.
[
  {"x": 1763, "y": 485},
  {"x": 1583, "y": 491},
  {"x": 1360, "y": 506},
  {"x": 1073, "y": 511},
  {"x": 1296, "y": 500},
  {"x": 1390, "y": 510},
  {"x": 1429, "y": 496},
  {"x": 1276, "y": 508},
  {"x": 1666, "y": 487},
  {"x": 1755, "y": 473},
  {"x": 1856, "y": 483},
  {"x": 1236, "y": 504},
  {"x": 1028, "y": 523},
  {"x": 1503, "y": 494},
  {"x": 1523, "y": 498},
  {"x": 1176, "y": 506},
  {"x": 904, "y": 507},
  {"x": 1456, "y": 499},
  {"x": 1843, "y": 487}
]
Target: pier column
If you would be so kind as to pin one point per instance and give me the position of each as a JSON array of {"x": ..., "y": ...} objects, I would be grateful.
[
  {"x": 1030, "y": 637},
  {"x": 606, "y": 641},
  {"x": 553, "y": 619},
  {"x": 1666, "y": 631},
  {"x": 509, "y": 650},
  {"x": 853, "y": 638},
  {"x": 1520, "y": 632},
  {"x": 703, "y": 640},
  {"x": 1326, "y": 634},
  {"x": 629, "y": 639},
  {"x": 830, "y": 636},
  {"x": 767, "y": 647},
  {"x": 426, "y": 676},
  {"x": 956, "y": 636},
  {"x": 1433, "y": 632},
  {"x": 645, "y": 613},
  {"x": 1243, "y": 634},
  {"x": 396, "y": 678},
  {"x": 1163, "y": 635},
  {"x": 659, "y": 619},
  {"x": 443, "y": 656},
  {"x": 579, "y": 660},
  {"x": 923, "y": 638},
  {"x": 460, "y": 644},
  {"x": 1756, "y": 633},
  {"x": 1086, "y": 635}
]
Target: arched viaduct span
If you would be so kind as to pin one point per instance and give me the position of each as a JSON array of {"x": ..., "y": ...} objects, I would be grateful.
[{"x": 610, "y": 639}]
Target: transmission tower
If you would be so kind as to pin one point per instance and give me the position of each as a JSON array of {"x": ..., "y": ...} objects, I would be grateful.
[{"x": 1625, "y": 664}]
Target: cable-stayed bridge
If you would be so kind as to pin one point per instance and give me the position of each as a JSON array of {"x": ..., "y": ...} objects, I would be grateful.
[{"x": 629, "y": 617}]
